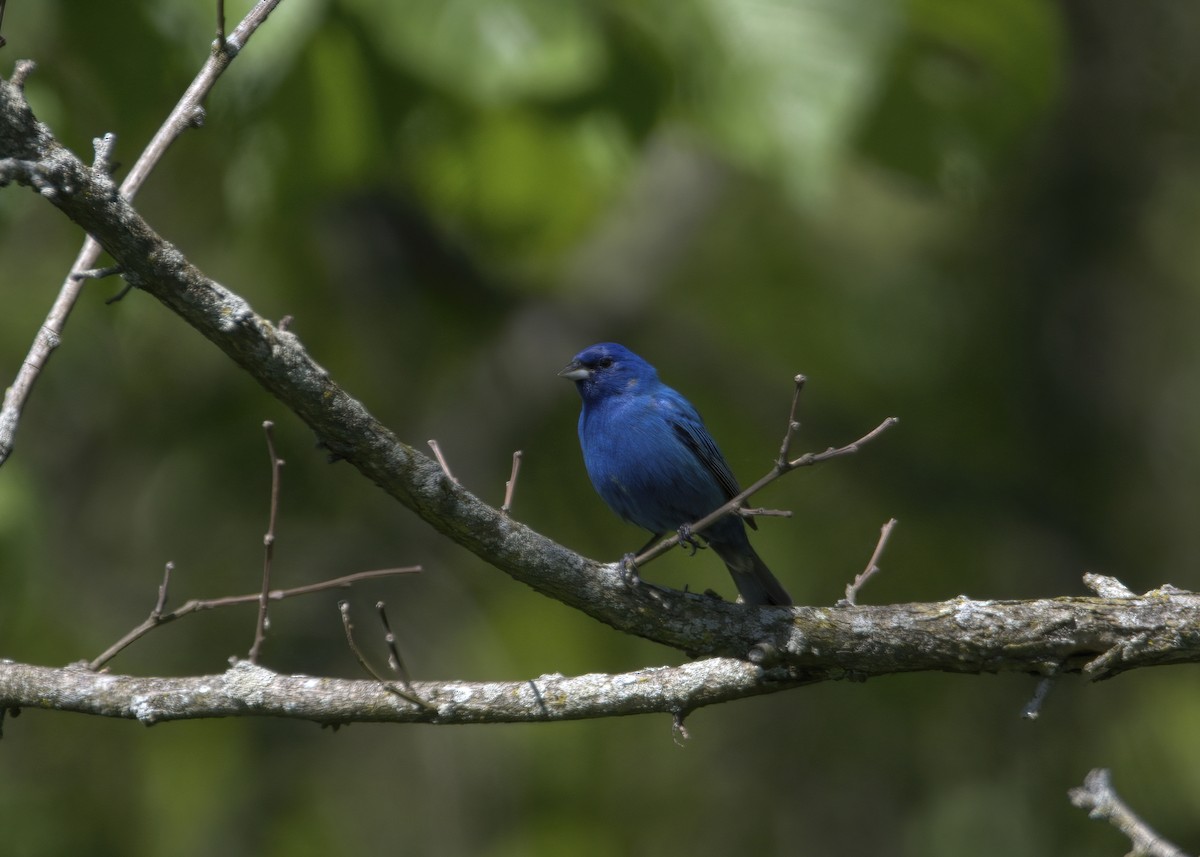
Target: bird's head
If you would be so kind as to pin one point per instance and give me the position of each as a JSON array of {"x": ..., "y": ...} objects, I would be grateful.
[{"x": 607, "y": 369}]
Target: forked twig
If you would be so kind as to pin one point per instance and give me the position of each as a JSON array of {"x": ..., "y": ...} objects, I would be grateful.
[
  {"x": 1098, "y": 797},
  {"x": 782, "y": 465},
  {"x": 187, "y": 113},
  {"x": 852, "y": 589},
  {"x": 404, "y": 692},
  {"x": 158, "y": 617}
]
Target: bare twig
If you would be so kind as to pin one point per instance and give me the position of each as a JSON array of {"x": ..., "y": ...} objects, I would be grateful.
[
  {"x": 511, "y": 485},
  {"x": 195, "y": 605},
  {"x": 21, "y": 72},
  {"x": 395, "y": 662},
  {"x": 161, "y": 603},
  {"x": 348, "y": 626},
  {"x": 1097, "y": 796},
  {"x": 187, "y": 114},
  {"x": 260, "y": 628},
  {"x": 679, "y": 731},
  {"x": 1107, "y": 587},
  {"x": 3, "y": 42},
  {"x": 782, "y": 466},
  {"x": 390, "y": 686},
  {"x": 97, "y": 273},
  {"x": 852, "y": 589},
  {"x": 441, "y": 460},
  {"x": 119, "y": 296},
  {"x": 793, "y": 425},
  {"x": 1033, "y": 708}
]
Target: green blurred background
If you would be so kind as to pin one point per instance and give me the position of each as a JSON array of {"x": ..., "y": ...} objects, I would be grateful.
[{"x": 979, "y": 217}]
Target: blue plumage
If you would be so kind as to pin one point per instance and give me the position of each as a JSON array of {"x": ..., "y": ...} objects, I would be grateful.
[{"x": 654, "y": 463}]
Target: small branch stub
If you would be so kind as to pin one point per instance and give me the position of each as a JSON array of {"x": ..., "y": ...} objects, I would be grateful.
[
  {"x": 852, "y": 589},
  {"x": 441, "y": 460},
  {"x": 510, "y": 486}
]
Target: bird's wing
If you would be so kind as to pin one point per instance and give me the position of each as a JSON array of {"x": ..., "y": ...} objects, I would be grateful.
[{"x": 689, "y": 429}]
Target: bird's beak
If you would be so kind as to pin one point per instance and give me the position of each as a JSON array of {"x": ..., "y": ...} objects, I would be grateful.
[{"x": 573, "y": 371}]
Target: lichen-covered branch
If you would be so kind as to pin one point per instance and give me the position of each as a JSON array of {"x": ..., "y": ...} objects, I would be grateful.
[
  {"x": 1052, "y": 637},
  {"x": 249, "y": 690}
]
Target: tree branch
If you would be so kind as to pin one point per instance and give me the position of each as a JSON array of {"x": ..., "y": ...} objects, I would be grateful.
[
  {"x": 1099, "y": 636},
  {"x": 188, "y": 113},
  {"x": 249, "y": 690},
  {"x": 1098, "y": 797},
  {"x": 806, "y": 645}
]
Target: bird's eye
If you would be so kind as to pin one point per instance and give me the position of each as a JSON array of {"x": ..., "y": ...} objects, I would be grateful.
[{"x": 604, "y": 363}]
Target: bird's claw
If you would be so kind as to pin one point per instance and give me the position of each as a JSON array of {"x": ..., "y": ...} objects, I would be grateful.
[
  {"x": 629, "y": 571},
  {"x": 686, "y": 538}
]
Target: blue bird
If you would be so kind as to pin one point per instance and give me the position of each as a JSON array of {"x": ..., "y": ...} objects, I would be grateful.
[{"x": 654, "y": 463}]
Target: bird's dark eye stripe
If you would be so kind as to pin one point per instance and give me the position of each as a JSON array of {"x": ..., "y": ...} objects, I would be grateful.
[{"x": 604, "y": 362}]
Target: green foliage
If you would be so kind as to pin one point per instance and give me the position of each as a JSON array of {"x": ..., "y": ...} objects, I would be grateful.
[{"x": 978, "y": 217}]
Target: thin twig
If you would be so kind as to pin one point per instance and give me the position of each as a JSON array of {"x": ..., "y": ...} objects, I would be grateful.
[
  {"x": 1097, "y": 796},
  {"x": 395, "y": 662},
  {"x": 441, "y": 460},
  {"x": 260, "y": 628},
  {"x": 195, "y": 605},
  {"x": 161, "y": 603},
  {"x": 793, "y": 425},
  {"x": 764, "y": 513},
  {"x": 679, "y": 732},
  {"x": 185, "y": 115},
  {"x": 511, "y": 485},
  {"x": 852, "y": 589},
  {"x": 119, "y": 296},
  {"x": 348, "y": 626},
  {"x": 97, "y": 273},
  {"x": 1033, "y": 708},
  {"x": 390, "y": 686},
  {"x": 782, "y": 466}
]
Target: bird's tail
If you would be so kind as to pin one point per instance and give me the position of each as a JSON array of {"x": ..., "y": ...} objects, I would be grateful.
[{"x": 754, "y": 581}]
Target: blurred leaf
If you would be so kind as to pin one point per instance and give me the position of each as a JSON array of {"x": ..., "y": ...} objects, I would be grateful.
[
  {"x": 530, "y": 183},
  {"x": 965, "y": 83},
  {"x": 495, "y": 51},
  {"x": 346, "y": 128},
  {"x": 790, "y": 80}
]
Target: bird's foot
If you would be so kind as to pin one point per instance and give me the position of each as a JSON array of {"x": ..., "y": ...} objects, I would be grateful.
[
  {"x": 629, "y": 572},
  {"x": 686, "y": 538}
]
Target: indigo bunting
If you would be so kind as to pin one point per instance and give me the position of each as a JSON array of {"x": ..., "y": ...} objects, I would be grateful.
[{"x": 654, "y": 463}]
